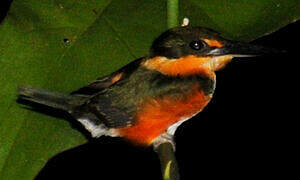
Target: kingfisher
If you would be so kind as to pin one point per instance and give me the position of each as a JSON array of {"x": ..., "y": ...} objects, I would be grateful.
[{"x": 146, "y": 100}]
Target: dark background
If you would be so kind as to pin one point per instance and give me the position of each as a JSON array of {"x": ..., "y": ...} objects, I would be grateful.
[{"x": 248, "y": 130}]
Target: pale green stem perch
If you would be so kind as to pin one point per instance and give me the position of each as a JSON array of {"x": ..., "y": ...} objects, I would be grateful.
[
  {"x": 169, "y": 167},
  {"x": 165, "y": 151},
  {"x": 172, "y": 10}
]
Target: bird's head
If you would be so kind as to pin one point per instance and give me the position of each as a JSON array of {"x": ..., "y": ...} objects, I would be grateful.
[{"x": 189, "y": 50}]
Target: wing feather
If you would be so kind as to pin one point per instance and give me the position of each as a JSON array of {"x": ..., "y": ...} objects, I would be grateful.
[{"x": 109, "y": 80}]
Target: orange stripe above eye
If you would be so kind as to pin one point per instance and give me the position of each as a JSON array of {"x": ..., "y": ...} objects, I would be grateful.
[
  {"x": 213, "y": 43},
  {"x": 117, "y": 77}
]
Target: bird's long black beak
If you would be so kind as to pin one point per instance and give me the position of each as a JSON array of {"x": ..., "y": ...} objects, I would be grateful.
[{"x": 240, "y": 49}]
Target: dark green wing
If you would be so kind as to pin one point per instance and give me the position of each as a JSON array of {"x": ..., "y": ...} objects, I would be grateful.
[{"x": 99, "y": 107}]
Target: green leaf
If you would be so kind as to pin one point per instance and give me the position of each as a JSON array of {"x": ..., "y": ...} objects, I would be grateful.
[
  {"x": 63, "y": 45},
  {"x": 102, "y": 36},
  {"x": 243, "y": 19}
]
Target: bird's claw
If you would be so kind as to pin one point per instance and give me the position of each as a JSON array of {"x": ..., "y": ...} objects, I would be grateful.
[{"x": 164, "y": 138}]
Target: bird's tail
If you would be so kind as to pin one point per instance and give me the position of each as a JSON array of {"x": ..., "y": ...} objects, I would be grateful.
[{"x": 49, "y": 98}]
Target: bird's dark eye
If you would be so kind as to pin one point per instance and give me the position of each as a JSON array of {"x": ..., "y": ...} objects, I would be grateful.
[{"x": 196, "y": 45}]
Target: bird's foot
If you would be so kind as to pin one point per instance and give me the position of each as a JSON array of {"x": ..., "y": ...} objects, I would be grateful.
[{"x": 164, "y": 138}]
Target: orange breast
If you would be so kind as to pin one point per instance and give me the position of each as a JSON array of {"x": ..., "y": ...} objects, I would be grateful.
[{"x": 156, "y": 115}]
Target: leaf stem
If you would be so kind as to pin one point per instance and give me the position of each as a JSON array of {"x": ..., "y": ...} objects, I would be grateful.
[
  {"x": 172, "y": 13},
  {"x": 169, "y": 167}
]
